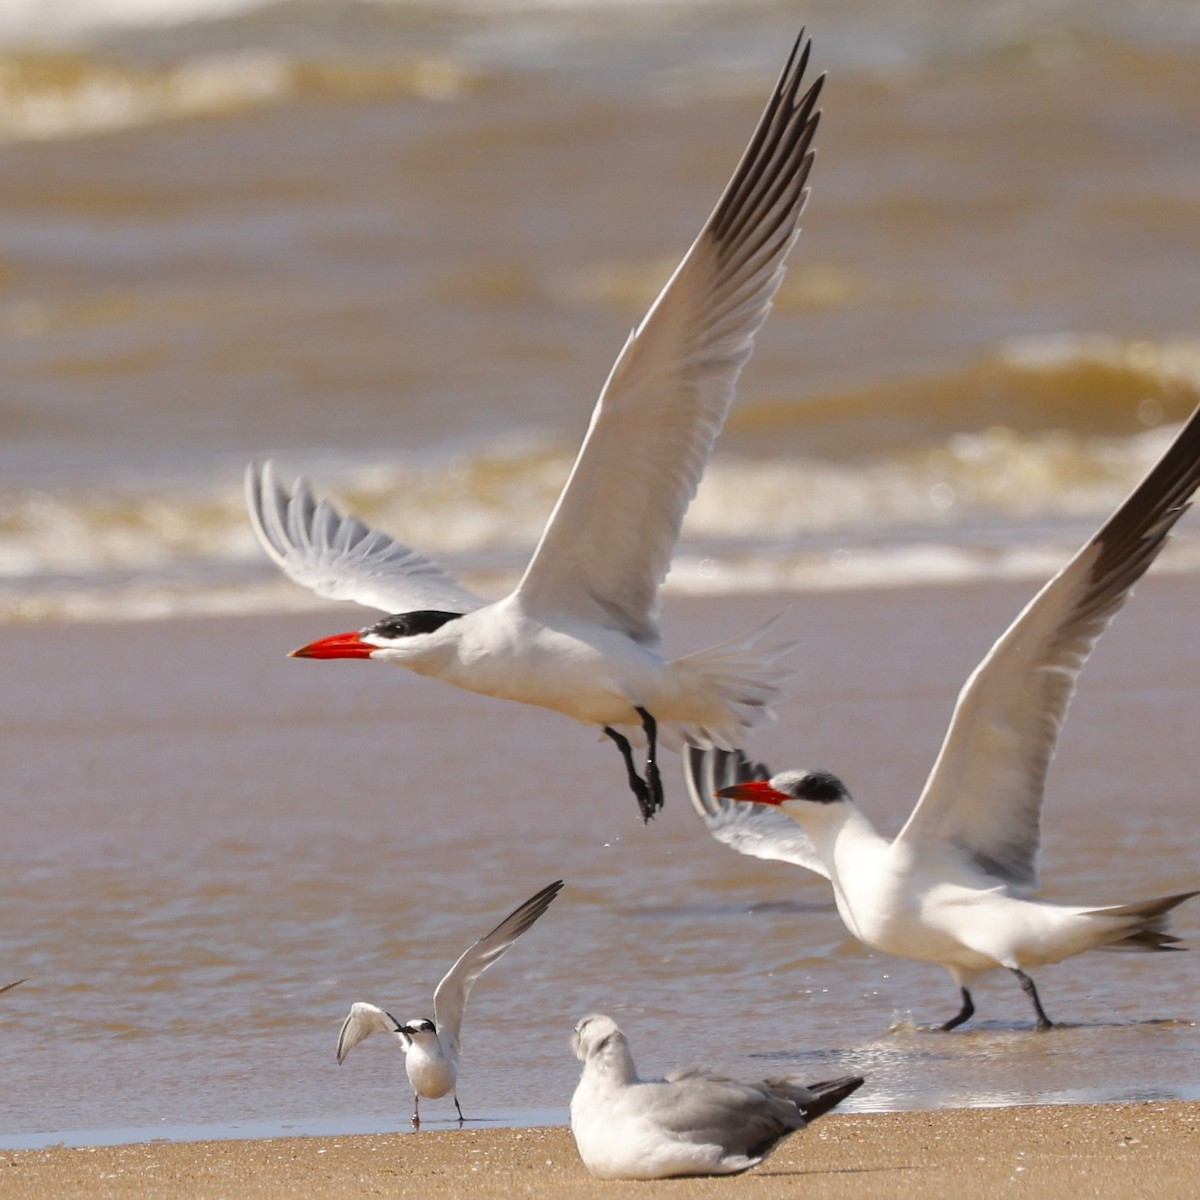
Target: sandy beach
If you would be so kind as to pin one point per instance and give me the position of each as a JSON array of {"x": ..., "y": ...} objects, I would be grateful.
[{"x": 1124, "y": 1150}]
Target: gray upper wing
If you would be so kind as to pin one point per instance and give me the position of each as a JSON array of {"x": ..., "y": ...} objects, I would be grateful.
[{"x": 711, "y": 1109}]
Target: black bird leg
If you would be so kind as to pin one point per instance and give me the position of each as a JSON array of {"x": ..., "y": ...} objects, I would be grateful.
[
  {"x": 636, "y": 784},
  {"x": 653, "y": 779},
  {"x": 416, "y": 1117},
  {"x": 649, "y": 791},
  {"x": 461, "y": 1118},
  {"x": 964, "y": 1014},
  {"x": 1043, "y": 1021}
]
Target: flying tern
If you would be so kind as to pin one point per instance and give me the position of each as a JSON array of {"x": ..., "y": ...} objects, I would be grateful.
[
  {"x": 431, "y": 1046},
  {"x": 956, "y": 885},
  {"x": 693, "y": 1122},
  {"x": 580, "y": 632}
]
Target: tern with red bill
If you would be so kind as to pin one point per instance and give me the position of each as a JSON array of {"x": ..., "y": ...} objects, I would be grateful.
[
  {"x": 431, "y": 1046},
  {"x": 955, "y": 886},
  {"x": 579, "y": 634},
  {"x": 693, "y": 1122}
]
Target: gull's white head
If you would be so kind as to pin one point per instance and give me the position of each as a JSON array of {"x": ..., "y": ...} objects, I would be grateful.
[{"x": 594, "y": 1035}]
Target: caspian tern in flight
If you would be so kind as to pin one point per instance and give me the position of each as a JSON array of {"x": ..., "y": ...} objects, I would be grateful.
[
  {"x": 431, "y": 1046},
  {"x": 955, "y": 885},
  {"x": 579, "y": 634},
  {"x": 693, "y": 1122}
]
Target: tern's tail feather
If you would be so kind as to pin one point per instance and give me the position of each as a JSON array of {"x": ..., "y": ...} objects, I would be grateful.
[
  {"x": 743, "y": 682},
  {"x": 1145, "y": 923}
]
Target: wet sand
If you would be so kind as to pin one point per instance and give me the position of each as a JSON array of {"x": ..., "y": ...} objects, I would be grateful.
[{"x": 1103, "y": 1150}]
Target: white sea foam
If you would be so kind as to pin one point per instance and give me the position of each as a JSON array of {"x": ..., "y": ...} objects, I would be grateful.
[
  {"x": 48, "y": 19},
  {"x": 992, "y": 505},
  {"x": 52, "y": 19}
]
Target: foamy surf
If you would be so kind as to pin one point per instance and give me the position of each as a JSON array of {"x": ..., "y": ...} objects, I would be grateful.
[
  {"x": 99, "y": 556},
  {"x": 54, "y": 94}
]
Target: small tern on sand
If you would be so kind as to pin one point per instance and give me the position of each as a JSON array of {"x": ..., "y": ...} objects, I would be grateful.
[
  {"x": 431, "y": 1046},
  {"x": 955, "y": 885},
  {"x": 691, "y": 1123},
  {"x": 580, "y": 632}
]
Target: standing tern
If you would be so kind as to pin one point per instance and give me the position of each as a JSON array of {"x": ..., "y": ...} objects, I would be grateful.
[
  {"x": 431, "y": 1046},
  {"x": 955, "y": 885},
  {"x": 579, "y": 634},
  {"x": 693, "y": 1122}
]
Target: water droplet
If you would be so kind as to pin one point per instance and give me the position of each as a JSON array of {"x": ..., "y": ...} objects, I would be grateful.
[{"x": 1150, "y": 412}]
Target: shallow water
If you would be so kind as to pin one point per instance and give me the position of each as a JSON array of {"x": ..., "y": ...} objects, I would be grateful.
[{"x": 211, "y": 851}]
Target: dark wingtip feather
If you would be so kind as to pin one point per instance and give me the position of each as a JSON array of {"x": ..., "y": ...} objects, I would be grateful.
[
  {"x": 829, "y": 1095},
  {"x": 779, "y": 153}
]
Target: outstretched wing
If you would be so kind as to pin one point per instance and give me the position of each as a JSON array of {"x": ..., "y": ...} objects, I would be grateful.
[
  {"x": 983, "y": 799},
  {"x": 757, "y": 830},
  {"x": 609, "y": 541},
  {"x": 338, "y": 557},
  {"x": 451, "y": 996},
  {"x": 362, "y": 1021}
]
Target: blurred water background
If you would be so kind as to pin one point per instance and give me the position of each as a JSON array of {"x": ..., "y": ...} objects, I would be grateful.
[{"x": 398, "y": 245}]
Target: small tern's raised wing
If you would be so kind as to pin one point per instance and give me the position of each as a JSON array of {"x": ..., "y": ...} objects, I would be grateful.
[
  {"x": 362, "y": 1021},
  {"x": 338, "y": 557},
  {"x": 451, "y": 996},
  {"x": 610, "y": 538},
  {"x": 983, "y": 798}
]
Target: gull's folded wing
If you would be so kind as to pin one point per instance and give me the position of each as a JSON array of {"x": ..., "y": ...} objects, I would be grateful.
[{"x": 703, "y": 1106}]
